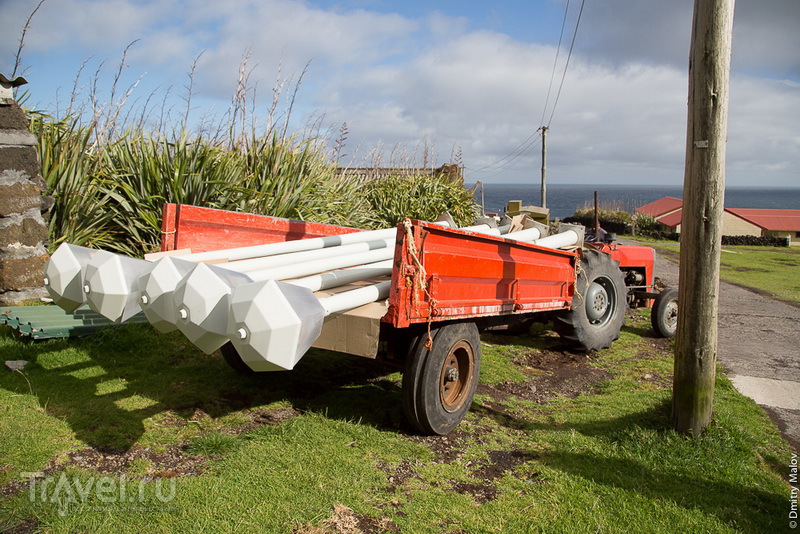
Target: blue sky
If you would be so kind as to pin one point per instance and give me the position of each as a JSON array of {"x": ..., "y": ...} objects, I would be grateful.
[{"x": 468, "y": 78}]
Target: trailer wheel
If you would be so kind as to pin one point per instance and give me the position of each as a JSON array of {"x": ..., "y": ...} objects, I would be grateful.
[
  {"x": 598, "y": 306},
  {"x": 232, "y": 358},
  {"x": 439, "y": 384},
  {"x": 664, "y": 315}
]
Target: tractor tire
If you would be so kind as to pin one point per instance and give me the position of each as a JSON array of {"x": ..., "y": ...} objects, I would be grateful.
[
  {"x": 439, "y": 384},
  {"x": 598, "y": 305},
  {"x": 664, "y": 315},
  {"x": 232, "y": 358}
]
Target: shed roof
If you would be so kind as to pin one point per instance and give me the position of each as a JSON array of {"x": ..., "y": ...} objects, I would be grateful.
[
  {"x": 769, "y": 219},
  {"x": 661, "y": 206},
  {"x": 671, "y": 219}
]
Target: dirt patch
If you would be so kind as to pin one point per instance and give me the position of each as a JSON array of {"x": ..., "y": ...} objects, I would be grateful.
[
  {"x": 480, "y": 493},
  {"x": 173, "y": 462},
  {"x": 346, "y": 521},
  {"x": 447, "y": 448},
  {"x": 261, "y": 417},
  {"x": 501, "y": 462},
  {"x": 137, "y": 461},
  {"x": 26, "y": 527},
  {"x": 396, "y": 476},
  {"x": 557, "y": 373}
]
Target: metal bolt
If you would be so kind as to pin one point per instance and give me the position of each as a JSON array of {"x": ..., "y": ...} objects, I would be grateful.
[
  {"x": 46, "y": 281},
  {"x": 144, "y": 299},
  {"x": 451, "y": 375},
  {"x": 86, "y": 288},
  {"x": 242, "y": 333},
  {"x": 183, "y": 313}
]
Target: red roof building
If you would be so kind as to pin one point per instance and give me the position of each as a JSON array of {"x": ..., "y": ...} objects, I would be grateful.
[
  {"x": 735, "y": 221},
  {"x": 661, "y": 207}
]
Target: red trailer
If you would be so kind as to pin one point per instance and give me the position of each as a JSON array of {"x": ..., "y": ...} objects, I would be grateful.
[{"x": 447, "y": 285}]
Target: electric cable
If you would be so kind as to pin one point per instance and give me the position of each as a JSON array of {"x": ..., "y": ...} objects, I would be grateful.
[{"x": 566, "y": 66}]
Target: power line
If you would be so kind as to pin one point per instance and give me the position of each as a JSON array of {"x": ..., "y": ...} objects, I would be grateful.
[
  {"x": 523, "y": 149},
  {"x": 531, "y": 142},
  {"x": 566, "y": 66},
  {"x": 555, "y": 62}
]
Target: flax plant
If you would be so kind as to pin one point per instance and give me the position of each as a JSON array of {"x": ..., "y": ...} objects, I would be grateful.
[
  {"x": 79, "y": 214},
  {"x": 142, "y": 172},
  {"x": 419, "y": 197}
]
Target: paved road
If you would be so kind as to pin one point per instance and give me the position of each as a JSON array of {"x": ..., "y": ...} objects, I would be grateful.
[{"x": 758, "y": 347}]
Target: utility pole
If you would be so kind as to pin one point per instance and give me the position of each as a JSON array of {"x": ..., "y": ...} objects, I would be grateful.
[
  {"x": 701, "y": 225},
  {"x": 544, "y": 165}
]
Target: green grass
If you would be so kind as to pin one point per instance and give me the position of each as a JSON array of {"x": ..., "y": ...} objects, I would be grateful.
[
  {"x": 771, "y": 270},
  {"x": 768, "y": 269},
  {"x": 326, "y": 446}
]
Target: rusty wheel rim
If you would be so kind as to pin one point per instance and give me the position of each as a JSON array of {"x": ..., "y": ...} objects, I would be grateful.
[{"x": 456, "y": 376}]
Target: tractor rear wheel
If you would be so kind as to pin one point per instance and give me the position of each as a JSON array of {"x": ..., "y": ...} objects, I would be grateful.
[
  {"x": 439, "y": 384},
  {"x": 598, "y": 305}
]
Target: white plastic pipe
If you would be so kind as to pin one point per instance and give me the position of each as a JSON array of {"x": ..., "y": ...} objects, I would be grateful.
[
  {"x": 354, "y": 298},
  {"x": 341, "y": 277},
  {"x": 564, "y": 239},
  {"x": 295, "y": 258},
  {"x": 284, "y": 247},
  {"x": 319, "y": 266},
  {"x": 298, "y": 245},
  {"x": 529, "y": 234}
]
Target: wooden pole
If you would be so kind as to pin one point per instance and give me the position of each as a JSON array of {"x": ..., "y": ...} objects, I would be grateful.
[
  {"x": 701, "y": 225},
  {"x": 544, "y": 166}
]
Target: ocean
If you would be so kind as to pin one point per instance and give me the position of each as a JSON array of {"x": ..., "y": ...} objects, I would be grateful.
[{"x": 563, "y": 199}]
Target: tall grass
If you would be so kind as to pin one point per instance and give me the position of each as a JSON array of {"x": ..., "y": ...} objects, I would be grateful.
[{"x": 110, "y": 173}]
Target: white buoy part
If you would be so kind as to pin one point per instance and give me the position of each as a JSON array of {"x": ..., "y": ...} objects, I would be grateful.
[
  {"x": 202, "y": 305},
  {"x": 157, "y": 288},
  {"x": 63, "y": 275},
  {"x": 111, "y": 284}
]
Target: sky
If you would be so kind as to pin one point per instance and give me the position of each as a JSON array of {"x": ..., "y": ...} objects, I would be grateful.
[{"x": 427, "y": 82}]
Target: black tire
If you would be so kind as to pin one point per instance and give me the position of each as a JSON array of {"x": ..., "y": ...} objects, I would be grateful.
[
  {"x": 232, "y": 358},
  {"x": 598, "y": 305},
  {"x": 439, "y": 384},
  {"x": 664, "y": 315}
]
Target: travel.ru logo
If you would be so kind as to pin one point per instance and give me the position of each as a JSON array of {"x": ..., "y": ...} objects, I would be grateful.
[{"x": 112, "y": 492}]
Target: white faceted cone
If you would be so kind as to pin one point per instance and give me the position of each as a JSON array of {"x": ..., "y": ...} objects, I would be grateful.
[
  {"x": 202, "y": 302},
  {"x": 112, "y": 285},
  {"x": 63, "y": 275},
  {"x": 157, "y": 288},
  {"x": 273, "y": 323}
]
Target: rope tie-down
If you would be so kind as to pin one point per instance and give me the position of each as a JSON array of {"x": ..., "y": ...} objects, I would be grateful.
[{"x": 419, "y": 279}]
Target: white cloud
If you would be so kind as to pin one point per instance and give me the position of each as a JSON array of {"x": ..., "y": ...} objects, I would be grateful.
[{"x": 396, "y": 79}]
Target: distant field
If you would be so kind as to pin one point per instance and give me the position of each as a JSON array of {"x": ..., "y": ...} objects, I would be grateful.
[{"x": 771, "y": 270}]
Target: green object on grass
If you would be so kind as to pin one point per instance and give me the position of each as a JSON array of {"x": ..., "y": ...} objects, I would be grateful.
[{"x": 48, "y": 322}]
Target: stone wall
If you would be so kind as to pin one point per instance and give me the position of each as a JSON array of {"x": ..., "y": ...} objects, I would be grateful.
[{"x": 23, "y": 229}]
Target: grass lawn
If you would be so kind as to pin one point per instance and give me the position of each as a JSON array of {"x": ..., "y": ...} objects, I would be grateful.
[
  {"x": 770, "y": 270},
  {"x": 139, "y": 432}
]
